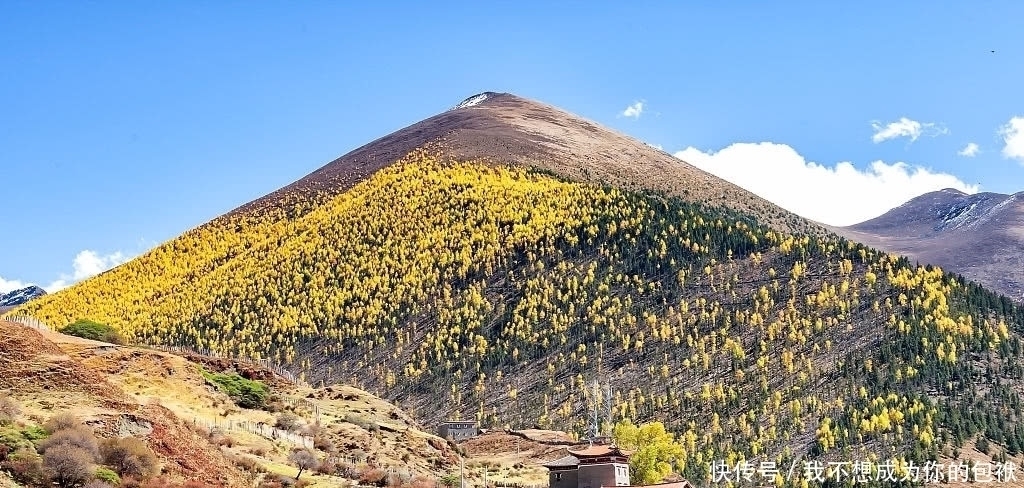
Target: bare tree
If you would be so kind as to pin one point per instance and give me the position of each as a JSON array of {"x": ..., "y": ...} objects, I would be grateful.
[
  {"x": 67, "y": 465},
  {"x": 303, "y": 459}
]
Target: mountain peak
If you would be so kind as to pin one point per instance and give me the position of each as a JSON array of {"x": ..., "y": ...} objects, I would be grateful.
[
  {"x": 20, "y": 296},
  {"x": 479, "y": 97},
  {"x": 506, "y": 129}
]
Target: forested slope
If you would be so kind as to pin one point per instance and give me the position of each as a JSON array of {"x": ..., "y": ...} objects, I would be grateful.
[{"x": 464, "y": 289}]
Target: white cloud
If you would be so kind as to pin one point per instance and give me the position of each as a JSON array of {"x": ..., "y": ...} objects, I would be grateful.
[
  {"x": 839, "y": 195},
  {"x": 634, "y": 110},
  {"x": 1013, "y": 137},
  {"x": 7, "y": 286},
  {"x": 86, "y": 265},
  {"x": 655, "y": 146},
  {"x": 970, "y": 150},
  {"x": 905, "y": 128}
]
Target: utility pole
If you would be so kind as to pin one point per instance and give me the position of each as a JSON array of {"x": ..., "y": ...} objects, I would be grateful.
[
  {"x": 608, "y": 407},
  {"x": 462, "y": 472}
]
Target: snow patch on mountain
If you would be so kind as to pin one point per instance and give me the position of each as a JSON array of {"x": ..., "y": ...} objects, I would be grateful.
[
  {"x": 18, "y": 297},
  {"x": 473, "y": 100}
]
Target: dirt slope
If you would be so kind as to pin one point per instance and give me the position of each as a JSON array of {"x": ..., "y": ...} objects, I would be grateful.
[{"x": 45, "y": 379}]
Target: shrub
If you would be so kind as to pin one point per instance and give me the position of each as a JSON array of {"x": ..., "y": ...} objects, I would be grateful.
[
  {"x": 96, "y": 331},
  {"x": 9, "y": 410},
  {"x": 398, "y": 479},
  {"x": 67, "y": 465},
  {"x": 62, "y": 421},
  {"x": 324, "y": 443},
  {"x": 12, "y": 439},
  {"x": 246, "y": 463},
  {"x": 245, "y": 393},
  {"x": 129, "y": 457},
  {"x": 450, "y": 479},
  {"x": 107, "y": 476},
  {"x": 337, "y": 467},
  {"x": 982, "y": 444},
  {"x": 222, "y": 440},
  {"x": 422, "y": 482},
  {"x": 77, "y": 437},
  {"x": 25, "y": 466},
  {"x": 288, "y": 421},
  {"x": 361, "y": 421},
  {"x": 373, "y": 477},
  {"x": 34, "y": 433},
  {"x": 359, "y": 455}
]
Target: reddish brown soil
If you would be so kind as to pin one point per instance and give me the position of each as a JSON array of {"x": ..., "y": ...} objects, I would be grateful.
[{"x": 35, "y": 368}]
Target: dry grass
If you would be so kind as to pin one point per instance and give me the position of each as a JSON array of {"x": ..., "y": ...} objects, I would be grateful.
[{"x": 155, "y": 395}]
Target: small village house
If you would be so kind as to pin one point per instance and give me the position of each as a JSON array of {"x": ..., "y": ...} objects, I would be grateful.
[
  {"x": 457, "y": 430},
  {"x": 602, "y": 464}
]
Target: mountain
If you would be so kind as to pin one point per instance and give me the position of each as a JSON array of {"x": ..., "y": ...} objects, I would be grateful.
[
  {"x": 19, "y": 297},
  {"x": 494, "y": 261},
  {"x": 501, "y": 128},
  {"x": 980, "y": 236}
]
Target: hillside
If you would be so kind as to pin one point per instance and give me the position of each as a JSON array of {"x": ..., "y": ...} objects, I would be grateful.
[
  {"x": 455, "y": 287},
  {"x": 980, "y": 236},
  {"x": 164, "y": 400}
]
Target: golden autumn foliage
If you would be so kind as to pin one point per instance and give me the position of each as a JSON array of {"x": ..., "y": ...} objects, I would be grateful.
[{"x": 466, "y": 290}]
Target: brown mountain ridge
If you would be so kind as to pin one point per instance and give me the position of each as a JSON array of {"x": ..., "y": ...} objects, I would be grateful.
[
  {"x": 980, "y": 236},
  {"x": 503, "y": 128}
]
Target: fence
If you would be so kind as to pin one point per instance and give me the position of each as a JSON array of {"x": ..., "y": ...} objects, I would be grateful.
[
  {"x": 28, "y": 321},
  {"x": 261, "y": 363},
  {"x": 258, "y": 428}
]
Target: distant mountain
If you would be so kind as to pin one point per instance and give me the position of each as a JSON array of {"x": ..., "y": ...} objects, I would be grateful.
[
  {"x": 18, "y": 297},
  {"x": 980, "y": 236}
]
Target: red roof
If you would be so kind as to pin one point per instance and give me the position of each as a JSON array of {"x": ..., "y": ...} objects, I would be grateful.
[{"x": 600, "y": 450}]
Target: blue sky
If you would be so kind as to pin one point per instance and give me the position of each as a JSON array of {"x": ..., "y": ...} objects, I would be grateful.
[{"x": 124, "y": 124}]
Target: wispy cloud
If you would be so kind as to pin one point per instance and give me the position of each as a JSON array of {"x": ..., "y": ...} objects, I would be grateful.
[
  {"x": 970, "y": 150},
  {"x": 837, "y": 195},
  {"x": 634, "y": 111},
  {"x": 1013, "y": 139},
  {"x": 905, "y": 128}
]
